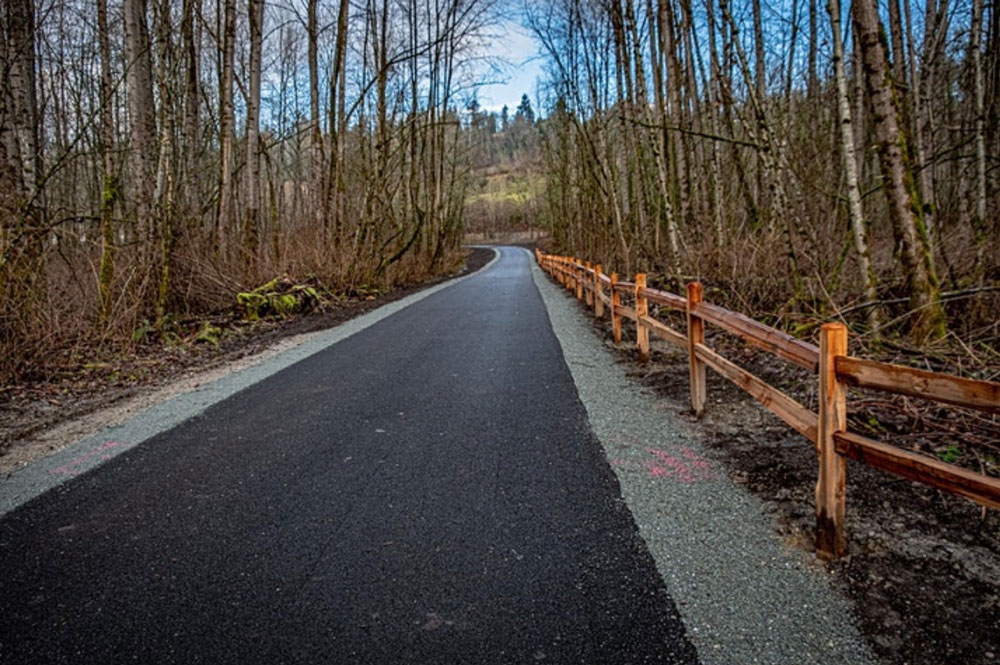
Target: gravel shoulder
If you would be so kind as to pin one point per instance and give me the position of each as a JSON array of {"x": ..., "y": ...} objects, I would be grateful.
[{"x": 745, "y": 595}]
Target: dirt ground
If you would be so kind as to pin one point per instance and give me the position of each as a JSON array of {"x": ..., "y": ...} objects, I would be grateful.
[
  {"x": 94, "y": 387},
  {"x": 923, "y": 566}
]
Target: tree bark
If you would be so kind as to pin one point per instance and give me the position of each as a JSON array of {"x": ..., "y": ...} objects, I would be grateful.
[
  {"x": 22, "y": 213},
  {"x": 223, "y": 218},
  {"x": 813, "y": 81},
  {"x": 143, "y": 152},
  {"x": 338, "y": 126},
  {"x": 979, "y": 215},
  {"x": 23, "y": 150},
  {"x": 669, "y": 45},
  {"x": 164, "y": 195},
  {"x": 898, "y": 59},
  {"x": 661, "y": 144},
  {"x": 905, "y": 211},
  {"x": 251, "y": 220},
  {"x": 192, "y": 200},
  {"x": 317, "y": 158},
  {"x": 106, "y": 273},
  {"x": 859, "y": 228}
]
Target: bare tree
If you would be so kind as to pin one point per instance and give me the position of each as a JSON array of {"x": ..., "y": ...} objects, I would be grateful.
[
  {"x": 979, "y": 216},
  {"x": 251, "y": 220},
  {"x": 905, "y": 211},
  {"x": 223, "y": 218},
  {"x": 858, "y": 226},
  {"x": 143, "y": 148},
  {"x": 191, "y": 34},
  {"x": 109, "y": 189}
]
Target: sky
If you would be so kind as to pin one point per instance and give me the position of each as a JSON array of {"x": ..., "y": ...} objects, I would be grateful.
[{"x": 519, "y": 49}]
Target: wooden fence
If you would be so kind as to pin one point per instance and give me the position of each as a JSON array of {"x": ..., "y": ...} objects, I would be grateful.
[{"x": 836, "y": 370}]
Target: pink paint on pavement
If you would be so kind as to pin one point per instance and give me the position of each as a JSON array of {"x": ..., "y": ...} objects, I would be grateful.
[
  {"x": 688, "y": 470},
  {"x": 75, "y": 465}
]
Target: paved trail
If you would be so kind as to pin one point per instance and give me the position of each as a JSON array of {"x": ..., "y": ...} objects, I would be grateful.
[{"x": 426, "y": 491}]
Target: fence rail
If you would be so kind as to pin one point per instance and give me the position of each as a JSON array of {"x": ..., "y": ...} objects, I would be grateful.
[{"x": 835, "y": 370}]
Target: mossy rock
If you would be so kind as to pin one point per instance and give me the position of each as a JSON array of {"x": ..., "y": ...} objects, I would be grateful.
[
  {"x": 279, "y": 297},
  {"x": 208, "y": 334}
]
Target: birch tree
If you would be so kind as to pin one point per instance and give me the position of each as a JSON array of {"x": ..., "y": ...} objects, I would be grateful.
[{"x": 859, "y": 227}]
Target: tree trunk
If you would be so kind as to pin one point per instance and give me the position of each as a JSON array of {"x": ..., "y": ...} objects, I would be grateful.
[
  {"x": 979, "y": 215},
  {"x": 106, "y": 272},
  {"x": 251, "y": 220},
  {"x": 759, "y": 83},
  {"x": 164, "y": 196},
  {"x": 223, "y": 218},
  {"x": 338, "y": 126},
  {"x": 661, "y": 146},
  {"x": 858, "y": 227},
  {"x": 143, "y": 153},
  {"x": 905, "y": 212},
  {"x": 813, "y": 81},
  {"x": 898, "y": 59},
  {"x": 22, "y": 212},
  {"x": 315, "y": 132},
  {"x": 919, "y": 144},
  {"x": 192, "y": 200},
  {"x": 670, "y": 46}
]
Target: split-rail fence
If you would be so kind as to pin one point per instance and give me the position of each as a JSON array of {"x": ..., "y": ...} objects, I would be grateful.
[{"x": 830, "y": 361}]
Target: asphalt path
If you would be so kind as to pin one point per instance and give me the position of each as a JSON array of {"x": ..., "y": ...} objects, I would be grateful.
[{"x": 425, "y": 491}]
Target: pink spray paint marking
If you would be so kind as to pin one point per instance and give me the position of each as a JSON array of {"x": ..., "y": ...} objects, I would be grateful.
[
  {"x": 689, "y": 470},
  {"x": 75, "y": 465}
]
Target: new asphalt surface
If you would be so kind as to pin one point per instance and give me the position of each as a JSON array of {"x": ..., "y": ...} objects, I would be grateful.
[{"x": 426, "y": 491}]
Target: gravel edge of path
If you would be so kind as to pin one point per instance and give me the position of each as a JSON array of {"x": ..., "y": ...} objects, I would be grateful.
[
  {"x": 744, "y": 596},
  {"x": 47, "y": 473}
]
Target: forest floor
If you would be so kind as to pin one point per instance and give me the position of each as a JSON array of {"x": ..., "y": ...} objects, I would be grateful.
[
  {"x": 89, "y": 388},
  {"x": 923, "y": 566}
]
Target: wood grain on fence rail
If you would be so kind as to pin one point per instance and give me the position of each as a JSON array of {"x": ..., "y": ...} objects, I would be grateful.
[
  {"x": 981, "y": 489},
  {"x": 801, "y": 419},
  {"x": 663, "y": 331},
  {"x": 764, "y": 337},
  {"x": 671, "y": 300},
  {"x": 983, "y": 395}
]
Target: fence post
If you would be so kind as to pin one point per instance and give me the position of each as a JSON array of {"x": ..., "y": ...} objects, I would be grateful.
[
  {"x": 598, "y": 292},
  {"x": 588, "y": 294},
  {"x": 567, "y": 281},
  {"x": 578, "y": 275},
  {"x": 641, "y": 310},
  {"x": 696, "y": 335},
  {"x": 616, "y": 318},
  {"x": 830, "y": 488}
]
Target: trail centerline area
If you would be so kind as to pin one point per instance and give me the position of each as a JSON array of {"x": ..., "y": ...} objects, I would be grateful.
[{"x": 426, "y": 491}]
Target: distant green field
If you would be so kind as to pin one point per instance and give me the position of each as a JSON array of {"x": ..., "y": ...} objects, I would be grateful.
[{"x": 506, "y": 188}]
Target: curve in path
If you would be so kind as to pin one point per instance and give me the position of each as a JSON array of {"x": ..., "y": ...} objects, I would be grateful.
[{"x": 426, "y": 491}]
